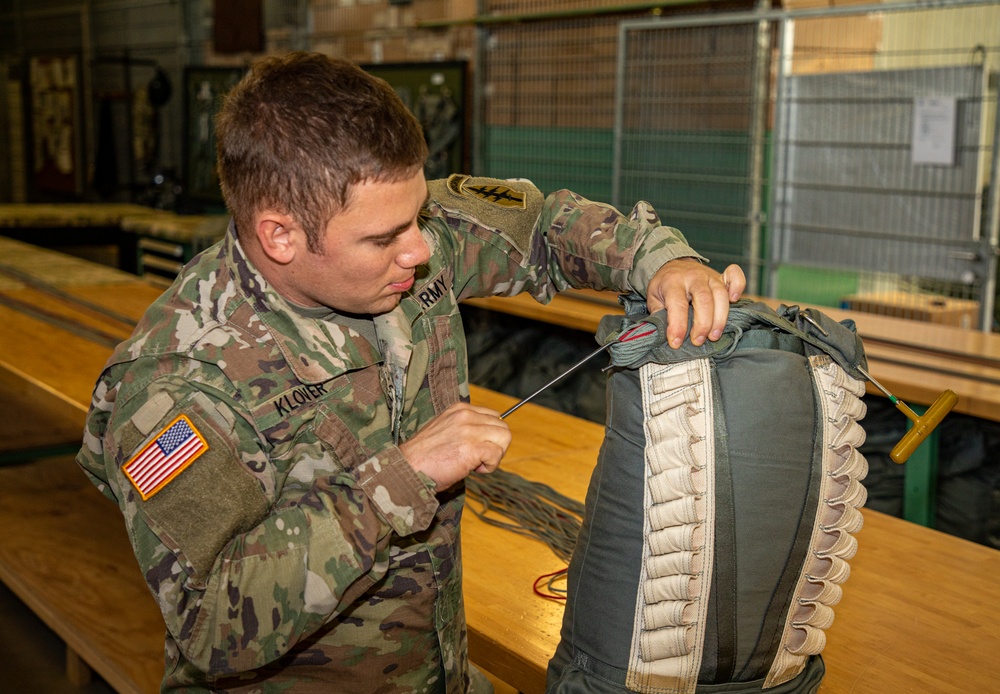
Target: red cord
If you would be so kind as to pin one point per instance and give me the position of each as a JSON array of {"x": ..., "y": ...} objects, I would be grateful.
[
  {"x": 550, "y": 596},
  {"x": 627, "y": 336}
]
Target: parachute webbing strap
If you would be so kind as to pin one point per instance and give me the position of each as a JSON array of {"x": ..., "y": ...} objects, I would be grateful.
[
  {"x": 670, "y": 618},
  {"x": 837, "y": 518}
]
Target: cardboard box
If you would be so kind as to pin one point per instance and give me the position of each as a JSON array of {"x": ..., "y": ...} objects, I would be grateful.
[
  {"x": 836, "y": 44},
  {"x": 430, "y": 10},
  {"x": 804, "y": 4},
  {"x": 444, "y": 10},
  {"x": 459, "y": 10},
  {"x": 346, "y": 20},
  {"x": 929, "y": 308}
]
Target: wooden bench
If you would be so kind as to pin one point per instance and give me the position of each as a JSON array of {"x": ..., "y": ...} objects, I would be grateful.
[
  {"x": 48, "y": 372},
  {"x": 65, "y": 553},
  {"x": 64, "y": 550},
  {"x": 145, "y": 241}
]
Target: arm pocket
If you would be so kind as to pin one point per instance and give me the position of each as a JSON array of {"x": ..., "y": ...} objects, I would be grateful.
[{"x": 188, "y": 481}]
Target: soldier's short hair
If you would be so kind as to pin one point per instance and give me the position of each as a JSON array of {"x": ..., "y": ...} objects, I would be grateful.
[{"x": 300, "y": 129}]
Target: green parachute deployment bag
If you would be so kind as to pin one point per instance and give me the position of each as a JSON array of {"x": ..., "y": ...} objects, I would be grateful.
[{"x": 720, "y": 516}]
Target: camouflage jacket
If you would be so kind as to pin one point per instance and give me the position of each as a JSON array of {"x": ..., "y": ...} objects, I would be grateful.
[{"x": 252, "y": 448}]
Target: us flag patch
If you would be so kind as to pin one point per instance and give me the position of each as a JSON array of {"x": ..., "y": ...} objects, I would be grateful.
[{"x": 165, "y": 457}]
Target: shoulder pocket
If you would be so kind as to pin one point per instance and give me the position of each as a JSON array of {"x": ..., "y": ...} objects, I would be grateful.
[{"x": 188, "y": 481}]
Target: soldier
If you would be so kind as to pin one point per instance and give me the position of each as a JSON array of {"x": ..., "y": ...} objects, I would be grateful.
[{"x": 287, "y": 431}]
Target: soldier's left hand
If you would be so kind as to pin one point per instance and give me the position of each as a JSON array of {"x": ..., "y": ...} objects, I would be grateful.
[{"x": 686, "y": 281}]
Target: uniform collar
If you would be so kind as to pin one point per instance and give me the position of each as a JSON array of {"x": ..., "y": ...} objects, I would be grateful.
[{"x": 317, "y": 350}]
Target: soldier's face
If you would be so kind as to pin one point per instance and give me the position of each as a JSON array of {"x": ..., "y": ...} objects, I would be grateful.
[{"x": 371, "y": 249}]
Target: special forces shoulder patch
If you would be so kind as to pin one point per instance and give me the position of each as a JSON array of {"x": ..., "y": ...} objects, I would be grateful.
[
  {"x": 497, "y": 207},
  {"x": 490, "y": 191},
  {"x": 169, "y": 453}
]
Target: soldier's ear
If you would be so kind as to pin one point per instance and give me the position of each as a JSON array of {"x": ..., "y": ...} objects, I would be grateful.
[{"x": 279, "y": 236}]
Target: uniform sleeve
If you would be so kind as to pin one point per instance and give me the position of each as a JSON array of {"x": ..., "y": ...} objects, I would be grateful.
[
  {"x": 593, "y": 245},
  {"x": 241, "y": 574},
  {"x": 508, "y": 238}
]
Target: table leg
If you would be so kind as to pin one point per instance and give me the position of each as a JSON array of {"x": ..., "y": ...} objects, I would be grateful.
[{"x": 920, "y": 483}]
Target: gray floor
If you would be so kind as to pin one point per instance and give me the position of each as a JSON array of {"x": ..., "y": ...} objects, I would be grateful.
[{"x": 32, "y": 657}]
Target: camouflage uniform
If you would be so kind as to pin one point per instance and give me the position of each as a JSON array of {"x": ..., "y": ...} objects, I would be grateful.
[{"x": 289, "y": 544}]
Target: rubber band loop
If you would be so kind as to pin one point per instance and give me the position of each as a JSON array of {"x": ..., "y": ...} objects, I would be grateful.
[{"x": 552, "y": 577}]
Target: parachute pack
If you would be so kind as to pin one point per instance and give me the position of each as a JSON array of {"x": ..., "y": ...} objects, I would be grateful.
[{"x": 720, "y": 516}]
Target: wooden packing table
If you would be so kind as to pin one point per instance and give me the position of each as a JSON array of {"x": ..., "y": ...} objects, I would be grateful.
[
  {"x": 128, "y": 217},
  {"x": 917, "y": 615},
  {"x": 917, "y": 612},
  {"x": 915, "y": 361},
  {"x": 148, "y": 241},
  {"x": 47, "y": 374},
  {"x": 61, "y": 215}
]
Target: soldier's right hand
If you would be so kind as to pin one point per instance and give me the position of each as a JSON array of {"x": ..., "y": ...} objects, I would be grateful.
[{"x": 462, "y": 439}]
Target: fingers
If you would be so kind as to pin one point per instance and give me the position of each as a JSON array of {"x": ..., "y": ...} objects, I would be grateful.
[
  {"x": 720, "y": 313},
  {"x": 706, "y": 319},
  {"x": 735, "y": 281},
  {"x": 461, "y": 439},
  {"x": 683, "y": 283},
  {"x": 494, "y": 439},
  {"x": 703, "y": 290},
  {"x": 711, "y": 307},
  {"x": 676, "y": 300},
  {"x": 473, "y": 408},
  {"x": 491, "y": 455}
]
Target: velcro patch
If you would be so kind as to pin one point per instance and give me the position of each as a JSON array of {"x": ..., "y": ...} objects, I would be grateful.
[
  {"x": 432, "y": 291},
  {"x": 169, "y": 453},
  {"x": 492, "y": 192},
  {"x": 498, "y": 209}
]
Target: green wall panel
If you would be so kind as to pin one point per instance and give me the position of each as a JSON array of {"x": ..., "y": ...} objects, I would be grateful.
[
  {"x": 553, "y": 158},
  {"x": 695, "y": 180}
]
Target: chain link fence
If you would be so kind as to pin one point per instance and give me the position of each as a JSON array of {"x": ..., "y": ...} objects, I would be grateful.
[{"x": 842, "y": 155}]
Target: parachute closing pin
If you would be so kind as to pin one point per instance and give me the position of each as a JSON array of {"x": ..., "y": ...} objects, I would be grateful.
[
  {"x": 922, "y": 426},
  {"x": 626, "y": 336}
]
